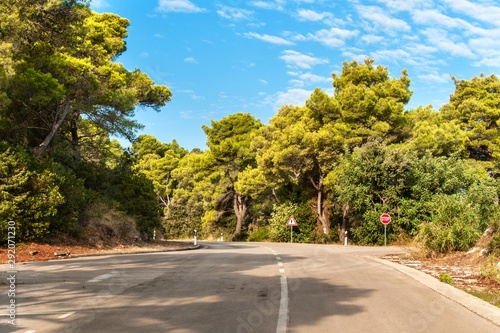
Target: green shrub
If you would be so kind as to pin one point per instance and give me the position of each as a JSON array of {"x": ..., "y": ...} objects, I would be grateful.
[
  {"x": 29, "y": 195},
  {"x": 303, "y": 233},
  {"x": 494, "y": 244},
  {"x": 446, "y": 278},
  {"x": 489, "y": 268},
  {"x": 371, "y": 231},
  {"x": 259, "y": 235},
  {"x": 454, "y": 225}
]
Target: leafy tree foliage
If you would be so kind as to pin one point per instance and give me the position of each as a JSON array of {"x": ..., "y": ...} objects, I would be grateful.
[
  {"x": 418, "y": 193},
  {"x": 29, "y": 195},
  {"x": 300, "y": 146},
  {"x": 198, "y": 186},
  {"x": 59, "y": 57},
  {"x": 370, "y": 101},
  {"x": 156, "y": 161},
  {"x": 229, "y": 141},
  {"x": 61, "y": 97},
  {"x": 427, "y": 131},
  {"x": 475, "y": 106}
]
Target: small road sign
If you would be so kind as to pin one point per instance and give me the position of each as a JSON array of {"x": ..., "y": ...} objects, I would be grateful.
[
  {"x": 292, "y": 222},
  {"x": 385, "y": 218}
]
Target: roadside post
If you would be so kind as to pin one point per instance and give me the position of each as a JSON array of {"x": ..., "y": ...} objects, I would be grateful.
[
  {"x": 292, "y": 223},
  {"x": 345, "y": 238},
  {"x": 195, "y": 241},
  {"x": 385, "y": 219}
]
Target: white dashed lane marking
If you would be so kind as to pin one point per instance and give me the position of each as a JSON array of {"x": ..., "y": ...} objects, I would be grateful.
[
  {"x": 104, "y": 277},
  {"x": 66, "y": 315}
]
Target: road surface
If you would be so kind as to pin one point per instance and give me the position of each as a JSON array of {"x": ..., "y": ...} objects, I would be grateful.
[{"x": 235, "y": 287}]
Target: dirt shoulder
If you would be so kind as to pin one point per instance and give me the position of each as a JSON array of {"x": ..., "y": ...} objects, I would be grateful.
[
  {"x": 44, "y": 252},
  {"x": 471, "y": 272}
]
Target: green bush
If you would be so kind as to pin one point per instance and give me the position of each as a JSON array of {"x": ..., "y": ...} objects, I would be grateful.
[
  {"x": 446, "y": 278},
  {"x": 494, "y": 244},
  {"x": 489, "y": 268},
  {"x": 29, "y": 195},
  {"x": 454, "y": 225},
  {"x": 371, "y": 230},
  {"x": 305, "y": 232},
  {"x": 259, "y": 235}
]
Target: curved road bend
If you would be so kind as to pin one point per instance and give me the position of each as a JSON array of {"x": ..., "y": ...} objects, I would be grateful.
[{"x": 233, "y": 287}]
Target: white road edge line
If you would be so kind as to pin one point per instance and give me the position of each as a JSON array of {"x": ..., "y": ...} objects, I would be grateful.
[
  {"x": 283, "y": 311},
  {"x": 66, "y": 315}
]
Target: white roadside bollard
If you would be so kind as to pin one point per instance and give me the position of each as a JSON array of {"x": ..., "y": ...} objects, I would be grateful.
[
  {"x": 345, "y": 238},
  {"x": 195, "y": 240}
]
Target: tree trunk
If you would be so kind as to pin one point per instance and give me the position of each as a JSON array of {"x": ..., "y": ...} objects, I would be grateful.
[
  {"x": 60, "y": 117},
  {"x": 240, "y": 210},
  {"x": 345, "y": 218},
  {"x": 74, "y": 130},
  {"x": 321, "y": 213},
  {"x": 320, "y": 209},
  {"x": 275, "y": 196}
]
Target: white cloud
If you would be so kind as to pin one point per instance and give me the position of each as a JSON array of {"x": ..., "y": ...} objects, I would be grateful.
[
  {"x": 294, "y": 96},
  {"x": 444, "y": 42},
  {"x": 434, "y": 17},
  {"x": 350, "y": 55},
  {"x": 303, "y": 79},
  {"x": 233, "y": 13},
  {"x": 310, "y": 78},
  {"x": 485, "y": 13},
  {"x": 443, "y": 78},
  {"x": 300, "y": 60},
  {"x": 99, "y": 4},
  {"x": 190, "y": 60},
  {"x": 296, "y": 83},
  {"x": 274, "y": 5},
  {"x": 378, "y": 17},
  {"x": 371, "y": 39},
  {"x": 421, "y": 49},
  {"x": 485, "y": 45},
  {"x": 391, "y": 55},
  {"x": 178, "y": 6},
  {"x": 489, "y": 62},
  {"x": 311, "y": 15},
  {"x": 333, "y": 37},
  {"x": 268, "y": 38},
  {"x": 406, "y": 5}
]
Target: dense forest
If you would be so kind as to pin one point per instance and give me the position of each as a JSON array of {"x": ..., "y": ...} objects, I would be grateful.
[{"x": 336, "y": 163}]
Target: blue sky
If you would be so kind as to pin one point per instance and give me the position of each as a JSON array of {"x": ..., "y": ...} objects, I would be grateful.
[{"x": 223, "y": 57}]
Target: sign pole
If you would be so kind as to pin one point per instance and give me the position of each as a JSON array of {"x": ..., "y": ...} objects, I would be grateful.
[
  {"x": 292, "y": 223},
  {"x": 385, "y": 234}
]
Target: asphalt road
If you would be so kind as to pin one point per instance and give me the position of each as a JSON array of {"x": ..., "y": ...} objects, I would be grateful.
[{"x": 239, "y": 287}]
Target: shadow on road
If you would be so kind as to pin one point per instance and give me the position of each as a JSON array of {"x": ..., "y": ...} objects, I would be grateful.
[{"x": 212, "y": 290}]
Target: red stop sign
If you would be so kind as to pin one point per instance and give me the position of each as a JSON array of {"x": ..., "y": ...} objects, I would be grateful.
[{"x": 385, "y": 218}]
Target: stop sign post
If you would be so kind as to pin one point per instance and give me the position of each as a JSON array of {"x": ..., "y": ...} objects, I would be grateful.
[{"x": 385, "y": 219}]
